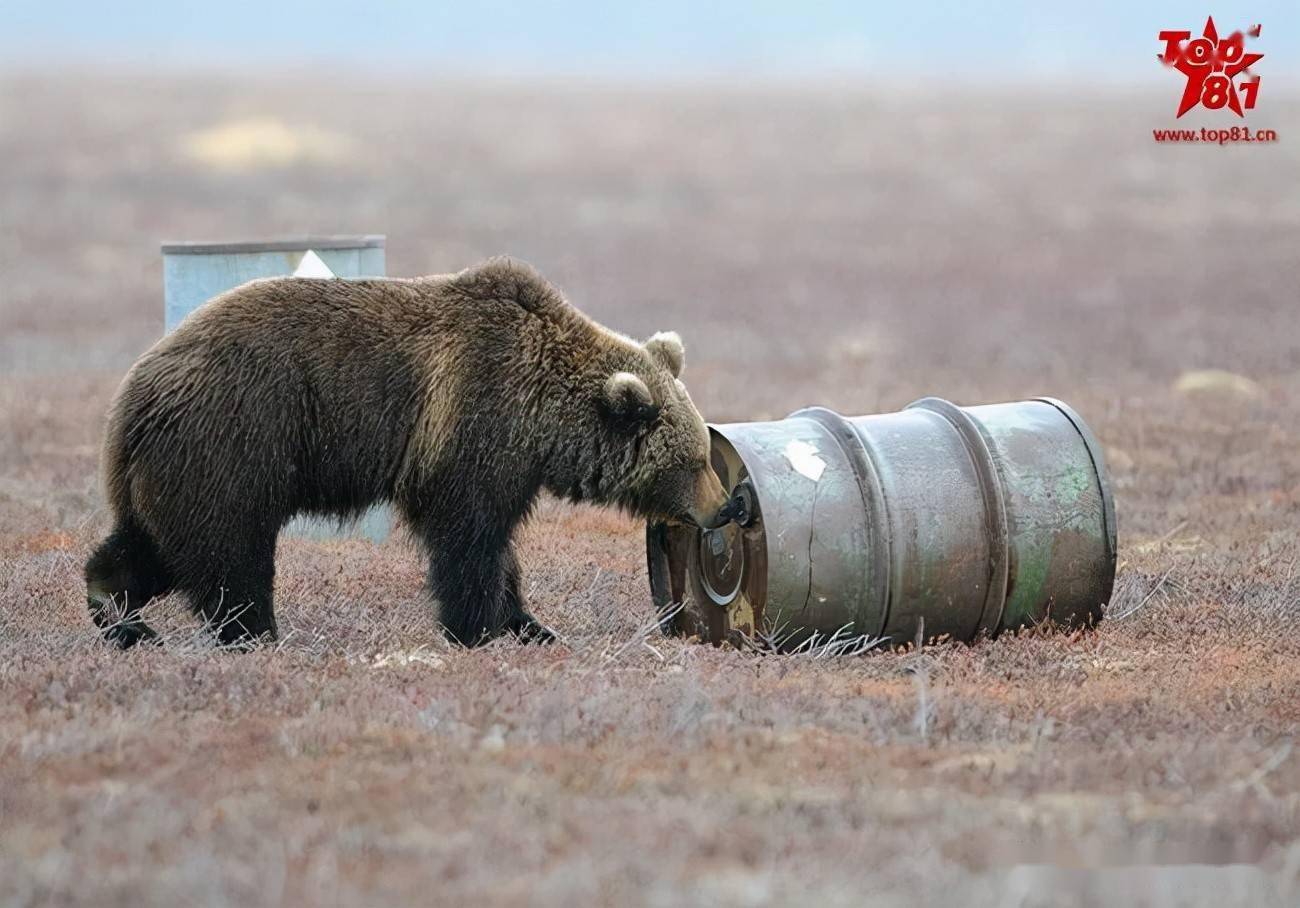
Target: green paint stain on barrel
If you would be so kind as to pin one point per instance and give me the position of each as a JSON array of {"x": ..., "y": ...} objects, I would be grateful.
[
  {"x": 1075, "y": 482},
  {"x": 1026, "y": 603}
]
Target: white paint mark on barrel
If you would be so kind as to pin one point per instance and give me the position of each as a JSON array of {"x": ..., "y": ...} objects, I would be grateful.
[{"x": 803, "y": 457}]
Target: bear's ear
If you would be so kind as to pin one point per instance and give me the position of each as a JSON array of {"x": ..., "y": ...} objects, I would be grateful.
[
  {"x": 628, "y": 399},
  {"x": 666, "y": 349}
]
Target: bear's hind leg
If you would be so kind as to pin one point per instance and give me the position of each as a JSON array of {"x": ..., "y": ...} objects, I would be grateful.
[
  {"x": 233, "y": 595},
  {"x": 122, "y": 575}
]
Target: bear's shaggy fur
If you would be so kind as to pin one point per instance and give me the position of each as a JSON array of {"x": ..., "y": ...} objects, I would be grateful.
[{"x": 458, "y": 398}]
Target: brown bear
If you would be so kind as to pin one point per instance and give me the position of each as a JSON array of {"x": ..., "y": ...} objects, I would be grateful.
[{"x": 457, "y": 398}]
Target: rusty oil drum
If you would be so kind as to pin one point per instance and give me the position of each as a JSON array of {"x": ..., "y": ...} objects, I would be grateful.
[{"x": 935, "y": 522}]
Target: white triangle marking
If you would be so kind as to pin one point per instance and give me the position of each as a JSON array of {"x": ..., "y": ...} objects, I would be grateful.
[{"x": 312, "y": 266}]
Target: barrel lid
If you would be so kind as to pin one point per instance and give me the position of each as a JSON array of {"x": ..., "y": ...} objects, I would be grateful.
[{"x": 284, "y": 244}]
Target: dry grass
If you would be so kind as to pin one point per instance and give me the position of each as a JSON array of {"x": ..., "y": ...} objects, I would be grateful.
[{"x": 810, "y": 249}]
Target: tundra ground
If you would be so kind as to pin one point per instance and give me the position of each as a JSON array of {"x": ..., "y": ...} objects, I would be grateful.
[{"x": 829, "y": 246}]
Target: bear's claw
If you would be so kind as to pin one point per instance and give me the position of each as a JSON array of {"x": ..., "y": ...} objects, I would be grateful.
[
  {"x": 126, "y": 634},
  {"x": 528, "y": 629}
]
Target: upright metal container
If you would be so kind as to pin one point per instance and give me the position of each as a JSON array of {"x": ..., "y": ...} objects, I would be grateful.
[
  {"x": 193, "y": 273},
  {"x": 937, "y": 521}
]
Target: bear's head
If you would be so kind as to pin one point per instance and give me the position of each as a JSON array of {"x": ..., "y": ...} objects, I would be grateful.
[{"x": 656, "y": 464}]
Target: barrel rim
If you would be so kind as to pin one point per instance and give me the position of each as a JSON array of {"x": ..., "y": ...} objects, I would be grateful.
[
  {"x": 1097, "y": 456},
  {"x": 282, "y": 244},
  {"x": 980, "y": 448},
  {"x": 758, "y": 473}
]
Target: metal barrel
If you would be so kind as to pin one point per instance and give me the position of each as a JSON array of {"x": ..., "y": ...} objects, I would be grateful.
[{"x": 934, "y": 522}]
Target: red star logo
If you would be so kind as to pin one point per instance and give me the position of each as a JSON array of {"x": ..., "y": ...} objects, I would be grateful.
[{"x": 1204, "y": 57}]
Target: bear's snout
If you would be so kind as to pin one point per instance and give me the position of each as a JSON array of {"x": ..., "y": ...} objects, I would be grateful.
[{"x": 711, "y": 500}]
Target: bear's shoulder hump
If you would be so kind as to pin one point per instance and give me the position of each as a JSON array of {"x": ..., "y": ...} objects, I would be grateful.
[{"x": 507, "y": 280}]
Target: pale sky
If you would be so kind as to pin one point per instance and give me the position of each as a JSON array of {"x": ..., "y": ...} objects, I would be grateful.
[{"x": 1105, "y": 41}]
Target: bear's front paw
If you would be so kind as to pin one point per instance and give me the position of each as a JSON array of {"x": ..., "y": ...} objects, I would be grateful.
[{"x": 529, "y": 630}]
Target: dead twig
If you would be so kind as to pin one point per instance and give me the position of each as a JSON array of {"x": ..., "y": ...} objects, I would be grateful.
[{"x": 1147, "y": 598}]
